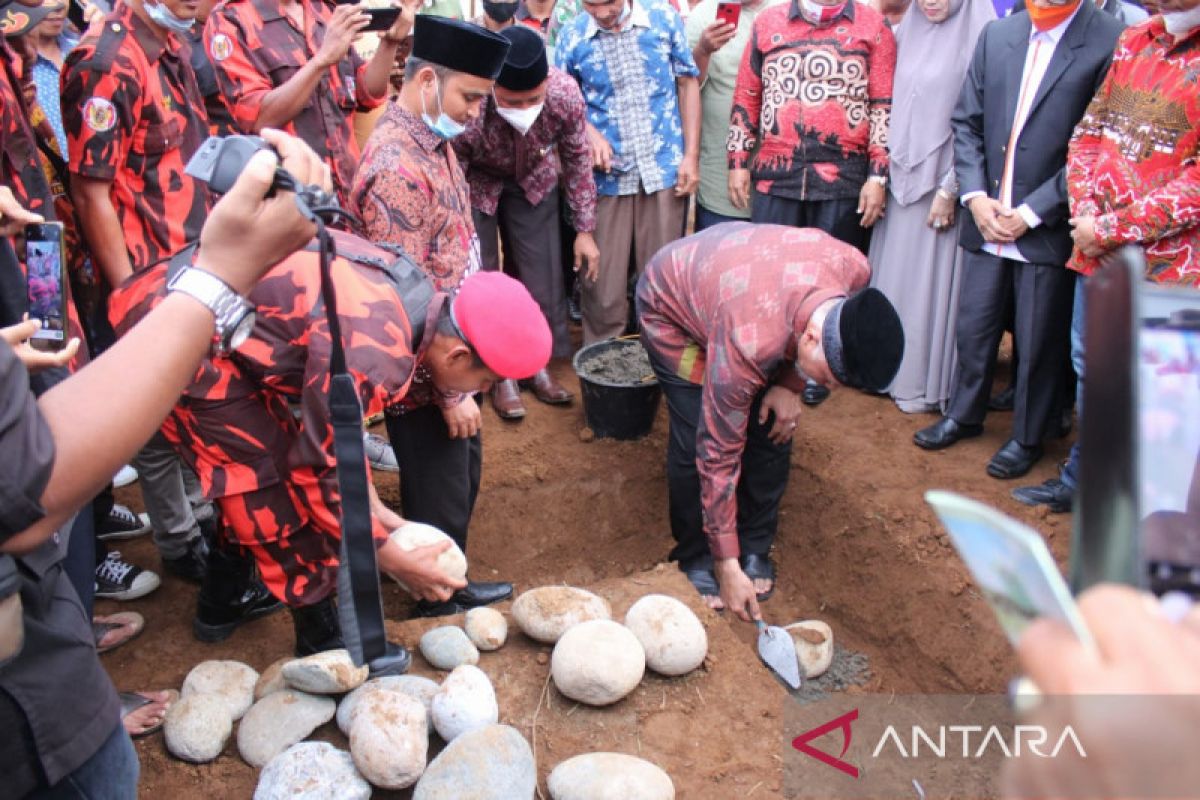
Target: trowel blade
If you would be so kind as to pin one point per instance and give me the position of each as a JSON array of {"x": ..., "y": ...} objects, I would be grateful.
[{"x": 777, "y": 651}]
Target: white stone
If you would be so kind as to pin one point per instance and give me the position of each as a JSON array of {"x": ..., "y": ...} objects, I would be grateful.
[
  {"x": 271, "y": 679},
  {"x": 487, "y": 628},
  {"x": 546, "y": 613},
  {"x": 597, "y": 662},
  {"x": 671, "y": 634},
  {"x": 197, "y": 727},
  {"x": 814, "y": 646},
  {"x": 489, "y": 763},
  {"x": 609, "y": 776},
  {"x": 450, "y": 561},
  {"x": 465, "y": 701},
  {"x": 389, "y": 739},
  {"x": 447, "y": 647},
  {"x": 422, "y": 689},
  {"x": 328, "y": 672},
  {"x": 311, "y": 771},
  {"x": 278, "y": 721},
  {"x": 231, "y": 680}
]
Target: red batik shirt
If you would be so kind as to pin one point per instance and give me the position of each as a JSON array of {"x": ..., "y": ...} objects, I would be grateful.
[
  {"x": 493, "y": 151},
  {"x": 1134, "y": 161},
  {"x": 816, "y": 102},
  {"x": 724, "y": 308},
  {"x": 255, "y": 48},
  {"x": 134, "y": 116}
]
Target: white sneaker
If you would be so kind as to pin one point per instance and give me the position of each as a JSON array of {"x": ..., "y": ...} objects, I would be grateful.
[
  {"x": 121, "y": 523},
  {"x": 119, "y": 580},
  {"x": 380, "y": 453},
  {"x": 125, "y": 476}
]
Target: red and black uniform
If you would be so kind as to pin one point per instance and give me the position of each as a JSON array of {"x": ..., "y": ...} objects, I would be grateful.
[
  {"x": 134, "y": 116},
  {"x": 255, "y": 48}
]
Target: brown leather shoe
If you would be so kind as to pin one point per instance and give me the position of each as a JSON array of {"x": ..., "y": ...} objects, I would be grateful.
[
  {"x": 548, "y": 390},
  {"x": 506, "y": 399}
]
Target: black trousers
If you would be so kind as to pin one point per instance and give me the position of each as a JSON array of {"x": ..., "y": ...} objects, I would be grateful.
[
  {"x": 839, "y": 218},
  {"x": 1042, "y": 297},
  {"x": 760, "y": 488},
  {"x": 439, "y": 476}
]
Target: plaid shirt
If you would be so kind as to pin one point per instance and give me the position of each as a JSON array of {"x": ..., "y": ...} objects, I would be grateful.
[{"x": 723, "y": 308}]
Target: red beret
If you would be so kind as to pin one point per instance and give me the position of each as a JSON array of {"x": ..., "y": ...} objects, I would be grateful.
[{"x": 503, "y": 324}]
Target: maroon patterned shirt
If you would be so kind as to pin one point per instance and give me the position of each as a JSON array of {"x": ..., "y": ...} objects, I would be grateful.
[
  {"x": 723, "y": 309},
  {"x": 493, "y": 151}
]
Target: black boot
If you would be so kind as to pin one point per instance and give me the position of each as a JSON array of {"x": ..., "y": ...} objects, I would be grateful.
[
  {"x": 229, "y": 595},
  {"x": 317, "y": 628}
]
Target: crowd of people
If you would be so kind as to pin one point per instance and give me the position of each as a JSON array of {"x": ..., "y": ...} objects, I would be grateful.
[{"x": 881, "y": 191}]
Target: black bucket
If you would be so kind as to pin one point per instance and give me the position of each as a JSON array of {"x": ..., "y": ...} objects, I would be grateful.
[{"x": 616, "y": 409}]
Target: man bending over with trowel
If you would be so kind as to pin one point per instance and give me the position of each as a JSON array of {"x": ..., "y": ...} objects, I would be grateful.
[{"x": 735, "y": 319}]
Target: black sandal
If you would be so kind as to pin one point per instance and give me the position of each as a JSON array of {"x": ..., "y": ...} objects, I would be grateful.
[
  {"x": 759, "y": 568},
  {"x": 705, "y": 581}
]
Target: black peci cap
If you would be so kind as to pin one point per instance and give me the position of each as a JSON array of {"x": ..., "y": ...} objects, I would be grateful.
[
  {"x": 863, "y": 341},
  {"x": 459, "y": 46},
  {"x": 525, "y": 66}
]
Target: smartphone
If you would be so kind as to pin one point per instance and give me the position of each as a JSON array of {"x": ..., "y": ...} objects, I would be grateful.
[
  {"x": 729, "y": 13},
  {"x": 46, "y": 278},
  {"x": 381, "y": 18}
]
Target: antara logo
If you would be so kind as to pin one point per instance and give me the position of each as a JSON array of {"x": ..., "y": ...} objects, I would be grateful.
[{"x": 801, "y": 742}]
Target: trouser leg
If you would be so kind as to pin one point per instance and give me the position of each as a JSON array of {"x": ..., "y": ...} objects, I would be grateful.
[
  {"x": 982, "y": 307},
  {"x": 161, "y": 474},
  {"x": 80, "y": 561},
  {"x": 489, "y": 240},
  {"x": 603, "y": 300},
  {"x": 659, "y": 219},
  {"x": 763, "y": 481},
  {"x": 1043, "y": 331},
  {"x": 772, "y": 210},
  {"x": 533, "y": 244},
  {"x": 683, "y": 480},
  {"x": 841, "y": 220},
  {"x": 1070, "y": 470}
]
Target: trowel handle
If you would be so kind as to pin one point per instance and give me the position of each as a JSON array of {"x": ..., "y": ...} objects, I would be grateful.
[{"x": 762, "y": 626}]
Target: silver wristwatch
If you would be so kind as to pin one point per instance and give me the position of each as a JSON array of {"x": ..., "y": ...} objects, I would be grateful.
[{"x": 234, "y": 313}]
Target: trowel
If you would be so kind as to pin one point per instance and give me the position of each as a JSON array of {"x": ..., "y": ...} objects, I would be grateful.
[{"x": 777, "y": 651}]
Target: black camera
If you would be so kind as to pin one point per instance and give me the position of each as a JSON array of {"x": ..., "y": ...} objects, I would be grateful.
[{"x": 221, "y": 159}]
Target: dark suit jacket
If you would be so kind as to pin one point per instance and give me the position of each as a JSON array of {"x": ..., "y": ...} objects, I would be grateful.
[{"x": 982, "y": 122}]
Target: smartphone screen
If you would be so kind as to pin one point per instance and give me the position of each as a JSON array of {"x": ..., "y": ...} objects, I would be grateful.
[
  {"x": 729, "y": 13},
  {"x": 46, "y": 275}
]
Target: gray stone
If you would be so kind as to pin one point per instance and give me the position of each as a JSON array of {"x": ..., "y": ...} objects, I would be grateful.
[
  {"x": 197, "y": 727},
  {"x": 486, "y": 628},
  {"x": 311, "y": 771},
  {"x": 544, "y": 614},
  {"x": 231, "y": 680},
  {"x": 329, "y": 672},
  {"x": 412, "y": 685},
  {"x": 814, "y": 646},
  {"x": 412, "y": 535},
  {"x": 489, "y": 763},
  {"x": 465, "y": 701},
  {"x": 597, "y": 662},
  {"x": 609, "y": 776},
  {"x": 448, "y": 647},
  {"x": 271, "y": 679},
  {"x": 671, "y": 634},
  {"x": 278, "y": 721},
  {"x": 389, "y": 739}
]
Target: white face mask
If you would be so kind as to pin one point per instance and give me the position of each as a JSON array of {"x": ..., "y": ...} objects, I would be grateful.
[
  {"x": 520, "y": 118},
  {"x": 1179, "y": 23}
]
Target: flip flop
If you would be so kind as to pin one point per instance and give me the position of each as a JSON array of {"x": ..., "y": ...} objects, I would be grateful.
[
  {"x": 132, "y": 701},
  {"x": 759, "y": 568},
  {"x": 128, "y": 623},
  {"x": 705, "y": 582}
]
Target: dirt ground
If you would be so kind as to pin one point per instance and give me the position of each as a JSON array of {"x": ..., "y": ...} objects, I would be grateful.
[{"x": 857, "y": 547}]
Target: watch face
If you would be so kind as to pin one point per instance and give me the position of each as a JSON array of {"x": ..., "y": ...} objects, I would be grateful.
[{"x": 241, "y": 332}]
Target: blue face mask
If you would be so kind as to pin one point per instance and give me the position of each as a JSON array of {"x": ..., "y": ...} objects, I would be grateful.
[
  {"x": 443, "y": 126},
  {"x": 163, "y": 17}
]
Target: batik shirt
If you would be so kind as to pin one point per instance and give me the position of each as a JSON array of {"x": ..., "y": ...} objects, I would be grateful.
[
  {"x": 1133, "y": 161},
  {"x": 816, "y": 100},
  {"x": 724, "y": 309},
  {"x": 134, "y": 116},
  {"x": 628, "y": 80},
  {"x": 494, "y": 151},
  {"x": 47, "y": 80},
  {"x": 255, "y": 48}
]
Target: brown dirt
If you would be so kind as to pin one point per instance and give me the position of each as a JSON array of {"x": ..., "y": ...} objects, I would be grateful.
[{"x": 857, "y": 547}]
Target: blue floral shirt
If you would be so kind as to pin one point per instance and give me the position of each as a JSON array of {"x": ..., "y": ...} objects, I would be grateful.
[
  {"x": 46, "y": 82},
  {"x": 628, "y": 80}
]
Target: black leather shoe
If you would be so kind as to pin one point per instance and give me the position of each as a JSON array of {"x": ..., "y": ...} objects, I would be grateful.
[
  {"x": 192, "y": 565},
  {"x": 1013, "y": 460},
  {"x": 944, "y": 433},
  {"x": 424, "y": 608},
  {"x": 1053, "y": 493},
  {"x": 317, "y": 628},
  {"x": 814, "y": 394},
  {"x": 217, "y": 623},
  {"x": 480, "y": 593},
  {"x": 1003, "y": 400}
]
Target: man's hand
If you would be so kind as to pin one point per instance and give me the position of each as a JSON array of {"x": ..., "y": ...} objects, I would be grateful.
[
  {"x": 941, "y": 212},
  {"x": 787, "y": 407},
  {"x": 18, "y": 337},
  {"x": 587, "y": 255},
  {"x": 13, "y": 216},
  {"x": 688, "y": 176},
  {"x": 345, "y": 24},
  {"x": 716, "y": 36},
  {"x": 988, "y": 213},
  {"x": 737, "y": 590},
  {"x": 1083, "y": 233},
  {"x": 1014, "y": 224},
  {"x": 464, "y": 419},
  {"x": 418, "y": 570},
  {"x": 247, "y": 233},
  {"x": 871, "y": 200},
  {"x": 602, "y": 151},
  {"x": 739, "y": 188},
  {"x": 404, "y": 23}
]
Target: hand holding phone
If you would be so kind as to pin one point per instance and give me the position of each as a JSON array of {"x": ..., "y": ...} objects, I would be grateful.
[
  {"x": 382, "y": 19},
  {"x": 729, "y": 13},
  {"x": 724, "y": 28},
  {"x": 46, "y": 278}
]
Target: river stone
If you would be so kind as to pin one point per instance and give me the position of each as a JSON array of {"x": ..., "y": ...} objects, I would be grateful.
[
  {"x": 814, "y": 646},
  {"x": 389, "y": 739},
  {"x": 487, "y": 628},
  {"x": 233, "y": 681},
  {"x": 672, "y": 636},
  {"x": 271, "y": 679},
  {"x": 197, "y": 727},
  {"x": 448, "y": 647},
  {"x": 278, "y": 721},
  {"x": 465, "y": 701},
  {"x": 489, "y": 763},
  {"x": 546, "y": 613},
  {"x": 597, "y": 662},
  {"x": 328, "y": 672},
  {"x": 422, "y": 689},
  {"x": 311, "y": 771},
  {"x": 609, "y": 776},
  {"x": 412, "y": 535}
]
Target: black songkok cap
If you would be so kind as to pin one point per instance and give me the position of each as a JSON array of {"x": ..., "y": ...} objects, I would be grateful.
[
  {"x": 863, "y": 341},
  {"x": 459, "y": 46},
  {"x": 525, "y": 66}
]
